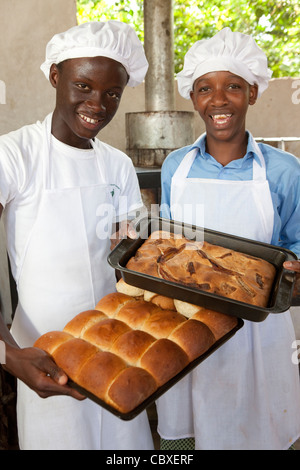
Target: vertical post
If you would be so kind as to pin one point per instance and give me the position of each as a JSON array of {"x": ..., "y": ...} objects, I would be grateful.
[{"x": 159, "y": 49}]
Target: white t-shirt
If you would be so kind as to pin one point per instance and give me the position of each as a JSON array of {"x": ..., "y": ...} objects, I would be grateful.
[{"x": 22, "y": 180}]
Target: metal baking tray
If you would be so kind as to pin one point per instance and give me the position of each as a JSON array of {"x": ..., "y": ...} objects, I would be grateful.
[
  {"x": 281, "y": 295},
  {"x": 164, "y": 388}
]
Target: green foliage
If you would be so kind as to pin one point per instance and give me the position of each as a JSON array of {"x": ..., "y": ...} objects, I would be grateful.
[{"x": 274, "y": 25}]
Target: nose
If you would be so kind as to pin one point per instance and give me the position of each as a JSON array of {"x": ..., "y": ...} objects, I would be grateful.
[
  {"x": 96, "y": 102},
  {"x": 219, "y": 97}
]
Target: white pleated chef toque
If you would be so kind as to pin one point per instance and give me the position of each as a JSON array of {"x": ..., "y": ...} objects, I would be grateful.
[
  {"x": 229, "y": 51},
  {"x": 112, "y": 39}
]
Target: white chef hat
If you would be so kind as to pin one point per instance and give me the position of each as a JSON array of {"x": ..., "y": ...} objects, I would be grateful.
[
  {"x": 226, "y": 51},
  {"x": 112, "y": 39}
]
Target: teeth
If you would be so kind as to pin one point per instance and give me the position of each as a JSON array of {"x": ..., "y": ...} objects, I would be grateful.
[
  {"x": 220, "y": 117},
  {"x": 87, "y": 119}
]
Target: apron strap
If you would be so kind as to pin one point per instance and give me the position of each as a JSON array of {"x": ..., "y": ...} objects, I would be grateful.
[
  {"x": 188, "y": 160},
  {"x": 45, "y": 154},
  {"x": 259, "y": 168}
]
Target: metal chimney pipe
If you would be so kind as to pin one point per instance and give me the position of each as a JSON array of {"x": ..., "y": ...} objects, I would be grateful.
[
  {"x": 153, "y": 134},
  {"x": 159, "y": 49}
]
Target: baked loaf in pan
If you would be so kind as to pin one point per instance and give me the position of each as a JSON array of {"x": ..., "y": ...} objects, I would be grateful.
[
  {"x": 206, "y": 267},
  {"x": 126, "y": 348}
]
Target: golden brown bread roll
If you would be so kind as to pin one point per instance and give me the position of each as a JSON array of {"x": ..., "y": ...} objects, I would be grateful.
[
  {"x": 52, "y": 340},
  {"x": 82, "y": 321},
  {"x": 161, "y": 301},
  {"x": 111, "y": 303},
  {"x": 219, "y": 323},
  {"x": 98, "y": 372},
  {"x": 136, "y": 312},
  {"x": 130, "y": 388},
  {"x": 162, "y": 322},
  {"x": 132, "y": 345},
  {"x": 163, "y": 360},
  {"x": 207, "y": 267},
  {"x": 185, "y": 336},
  {"x": 72, "y": 363},
  {"x": 104, "y": 333}
]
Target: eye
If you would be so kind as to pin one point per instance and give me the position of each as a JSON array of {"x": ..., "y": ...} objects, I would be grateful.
[
  {"x": 83, "y": 86},
  {"x": 203, "y": 89},
  {"x": 234, "y": 86},
  {"x": 114, "y": 95}
]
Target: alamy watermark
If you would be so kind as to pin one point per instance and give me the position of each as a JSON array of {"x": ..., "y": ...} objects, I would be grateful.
[
  {"x": 187, "y": 213},
  {"x": 296, "y": 93},
  {"x": 2, "y": 92}
]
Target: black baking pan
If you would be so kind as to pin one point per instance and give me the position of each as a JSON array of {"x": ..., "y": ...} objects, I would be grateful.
[
  {"x": 282, "y": 290},
  {"x": 164, "y": 388}
]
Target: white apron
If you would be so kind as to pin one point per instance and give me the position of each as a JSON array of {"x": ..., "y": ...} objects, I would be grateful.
[
  {"x": 64, "y": 272},
  {"x": 246, "y": 395}
]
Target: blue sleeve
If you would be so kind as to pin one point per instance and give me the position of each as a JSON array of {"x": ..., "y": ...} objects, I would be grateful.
[
  {"x": 166, "y": 179},
  {"x": 290, "y": 217}
]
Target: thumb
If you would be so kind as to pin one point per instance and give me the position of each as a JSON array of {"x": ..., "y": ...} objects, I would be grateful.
[{"x": 57, "y": 374}]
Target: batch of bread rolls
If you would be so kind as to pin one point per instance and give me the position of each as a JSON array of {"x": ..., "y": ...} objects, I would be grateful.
[{"x": 133, "y": 343}]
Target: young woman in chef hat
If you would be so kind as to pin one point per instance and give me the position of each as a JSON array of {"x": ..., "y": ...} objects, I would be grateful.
[
  {"x": 246, "y": 395},
  {"x": 58, "y": 182}
]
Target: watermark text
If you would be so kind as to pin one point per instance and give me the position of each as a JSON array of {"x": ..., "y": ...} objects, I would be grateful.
[{"x": 2, "y": 92}]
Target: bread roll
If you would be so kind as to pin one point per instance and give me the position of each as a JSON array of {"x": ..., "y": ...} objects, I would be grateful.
[
  {"x": 104, "y": 333},
  {"x": 72, "y": 355},
  {"x": 82, "y": 321},
  {"x": 132, "y": 345},
  {"x": 49, "y": 342},
  {"x": 128, "y": 289},
  {"x": 160, "y": 300},
  {"x": 111, "y": 303},
  {"x": 219, "y": 323},
  {"x": 207, "y": 267},
  {"x": 184, "y": 335},
  {"x": 185, "y": 308},
  {"x": 97, "y": 374},
  {"x": 130, "y": 388},
  {"x": 163, "y": 360},
  {"x": 136, "y": 312},
  {"x": 162, "y": 322}
]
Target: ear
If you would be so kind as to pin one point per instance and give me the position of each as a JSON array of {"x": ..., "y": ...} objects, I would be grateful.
[
  {"x": 54, "y": 75},
  {"x": 253, "y": 94}
]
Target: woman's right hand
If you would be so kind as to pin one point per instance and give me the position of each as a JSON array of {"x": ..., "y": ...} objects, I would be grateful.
[{"x": 38, "y": 371}]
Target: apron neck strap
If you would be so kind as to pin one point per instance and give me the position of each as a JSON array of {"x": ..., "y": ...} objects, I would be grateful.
[
  {"x": 259, "y": 168},
  {"x": 46, "y": 152}
]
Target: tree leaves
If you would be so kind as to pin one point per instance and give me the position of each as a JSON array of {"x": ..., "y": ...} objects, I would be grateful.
[{"x": 274, "y": 25}]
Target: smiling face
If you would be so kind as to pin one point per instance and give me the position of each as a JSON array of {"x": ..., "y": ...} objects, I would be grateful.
[
  {"x": 222, "y": 100},
  {"x": 88, "y": 94}
]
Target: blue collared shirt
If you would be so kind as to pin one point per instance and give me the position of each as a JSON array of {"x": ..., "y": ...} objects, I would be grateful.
[{"x": 283, "y": 175}]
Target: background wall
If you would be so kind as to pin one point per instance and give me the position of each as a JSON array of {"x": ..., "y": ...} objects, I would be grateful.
[{"x": 27, "y": 25}]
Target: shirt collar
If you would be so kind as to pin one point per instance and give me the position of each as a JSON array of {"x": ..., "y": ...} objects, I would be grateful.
[{"x": 250, "y": 153}]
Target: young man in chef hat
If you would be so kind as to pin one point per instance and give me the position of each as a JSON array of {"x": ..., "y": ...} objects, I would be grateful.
[
  {"x": 246, "y": 395},
  {"x": 56, "y": 178}
]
